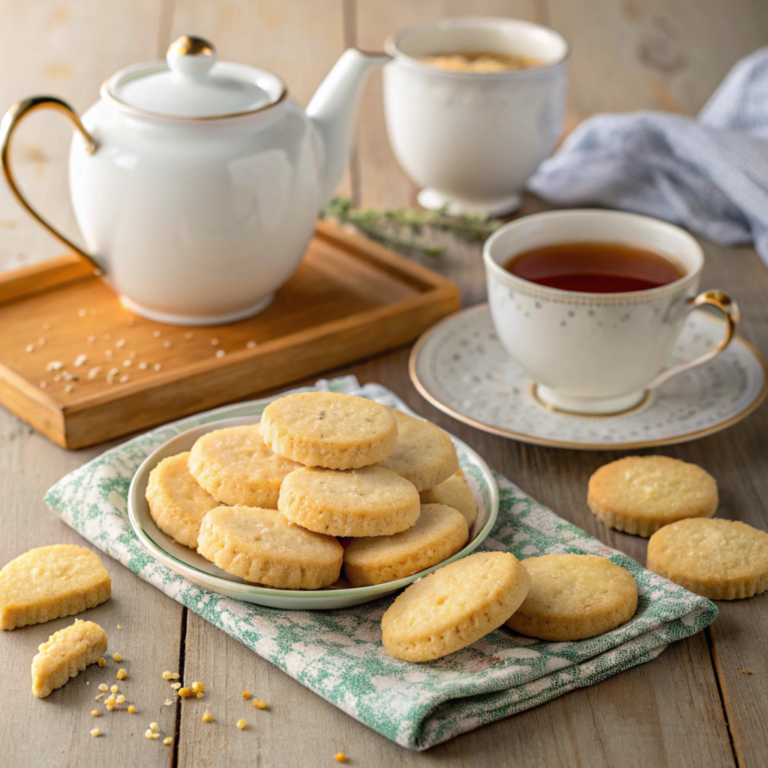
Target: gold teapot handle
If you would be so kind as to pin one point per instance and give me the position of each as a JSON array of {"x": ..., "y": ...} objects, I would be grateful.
[
  {"x": 11, "y": 119},
  {"x": 730, "y": 310}
]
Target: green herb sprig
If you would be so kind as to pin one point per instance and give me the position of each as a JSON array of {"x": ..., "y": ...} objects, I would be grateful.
[{"x": 398, "y": 228}]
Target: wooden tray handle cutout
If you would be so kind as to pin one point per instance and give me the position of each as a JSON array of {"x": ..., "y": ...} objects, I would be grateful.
[{"x": 11, "y": 119}]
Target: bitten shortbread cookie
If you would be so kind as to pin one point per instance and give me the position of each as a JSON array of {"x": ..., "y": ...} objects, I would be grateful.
[
  {"x": 573, "y": 597},
  {"x": 453, "y": 492},
  {"x": 177, "y": 503},
  {"x": 439, "y": 533},
  {"x": 329, "y": 429},
  {"x": 454, "y": 607},
  {"x": 424, "y": 454},
  {"x": 718, "y": 559},
  {"x": 50, "y": 582},
  {"x": 357, "y": 502},
  {"x": 67, "y": 652},
  {"x": 262, "y": 547},
  {"x": 640, "y": 494},
  {"x": 238, "y": 468}
]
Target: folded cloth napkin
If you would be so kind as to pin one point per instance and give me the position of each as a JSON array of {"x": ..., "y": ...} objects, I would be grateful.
[
  {"x": 339, "y": 655},
  {"x": 708, "y": 174}
]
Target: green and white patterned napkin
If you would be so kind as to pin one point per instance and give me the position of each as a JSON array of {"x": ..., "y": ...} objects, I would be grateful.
[{"x": 339, "y": 655}]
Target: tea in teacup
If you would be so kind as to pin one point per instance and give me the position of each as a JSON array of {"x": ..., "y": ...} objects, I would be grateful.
[
  {"x": 480, "y": 62},
  {"x": 590, "y": 304},
  {"x": 595, "y": 267}
]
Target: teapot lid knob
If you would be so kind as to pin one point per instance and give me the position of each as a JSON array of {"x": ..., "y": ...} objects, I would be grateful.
[{"x": 191, "y": 56}]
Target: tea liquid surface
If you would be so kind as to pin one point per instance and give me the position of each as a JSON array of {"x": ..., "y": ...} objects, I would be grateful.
[{"x": 595, "y": 267}]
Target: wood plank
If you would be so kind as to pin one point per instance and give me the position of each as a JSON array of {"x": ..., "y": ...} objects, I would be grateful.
[
  {"x": 55, "y": 730},
  {"x": 739, "y": 461},
  {"x": 653, "y": 54},
  {"x": 66, "y": 49},
  {"x": 672, "y": 55},
  {"x": 299, "y": 42}
]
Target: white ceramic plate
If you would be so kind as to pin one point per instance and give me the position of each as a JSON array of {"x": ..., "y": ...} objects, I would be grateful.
[
  {"x": 196, "y": 568},
  {"x": 460, "y": 366}
]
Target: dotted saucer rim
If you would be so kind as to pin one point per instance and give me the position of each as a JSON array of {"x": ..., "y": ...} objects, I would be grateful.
[{"x": 584, "y": 446}]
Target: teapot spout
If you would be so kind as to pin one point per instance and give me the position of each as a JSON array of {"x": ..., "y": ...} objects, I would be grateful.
[{"x": 332, "y": 112}]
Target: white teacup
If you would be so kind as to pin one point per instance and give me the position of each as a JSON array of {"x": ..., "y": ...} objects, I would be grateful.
[
  {"x": 597, "y": 353},
  {"x": 471, "y": 140}
]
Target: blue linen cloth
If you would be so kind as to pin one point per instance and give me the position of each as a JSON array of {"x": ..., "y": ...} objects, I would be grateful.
[{"x": 708, "y": 174}]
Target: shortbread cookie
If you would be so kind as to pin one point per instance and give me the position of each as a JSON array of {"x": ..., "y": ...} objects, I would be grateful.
[
  {"x": 424, "y": 454},
  {"x": 262, "y": 547},
  {"x": 329, "y": 429},
  {"x": 357, "y": 502},
  {"x": 50, "y": 582},
  {"x": 453, "y": 492},
  {"x": 67, "y": 652},
  {"x": 238, "y": 468},
  {"x": 177, "y": 503},
  {"x": 718, "y": 559},
  {"x": 454, "y": 607},
  {"x": 573, "y": 597},
  {"x": 640, "y": 494},
  {"x": 439, "y": 533}
]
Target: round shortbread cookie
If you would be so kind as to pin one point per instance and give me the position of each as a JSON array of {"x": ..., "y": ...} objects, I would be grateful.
[
  {"x": 573, "y": 597},
  {"x": 439, "y": 533},
  {"x": 356, "y": 502},
  {"x": 177, "y": 503},
  {"x": 262, "y": 547},
  {"x": 329, "y": 429},
  {"x": 718, "y": 559},
  {"x": 640, "y": 494},
  {"x": 424, "y": 454},
  {"x": 238, "y": 468},
  {"x": 454, "y": 607},
  {"x": 453, "y": 492}
]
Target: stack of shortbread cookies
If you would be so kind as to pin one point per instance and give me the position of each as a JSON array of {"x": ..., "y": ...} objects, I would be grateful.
[{"x": 269, "y": 502}]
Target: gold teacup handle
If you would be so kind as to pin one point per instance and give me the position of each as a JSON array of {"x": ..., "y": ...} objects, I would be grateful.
[
  {"x": 730, "y": 311},
  {"x": 11, "y": 119}
]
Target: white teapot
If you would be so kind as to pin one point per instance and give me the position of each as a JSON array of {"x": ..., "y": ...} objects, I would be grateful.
[{"x": 196, "y": 183}]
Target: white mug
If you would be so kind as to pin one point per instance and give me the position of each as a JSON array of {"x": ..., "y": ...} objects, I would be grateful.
[
  {"x": 471, "y": 140},
  {"x": 597, "y": 353}
]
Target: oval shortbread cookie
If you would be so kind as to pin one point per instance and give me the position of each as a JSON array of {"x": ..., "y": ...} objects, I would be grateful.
[
  {"x": 329, "y": 429},
  {"x": 65, "y": 654},
  {"x": 718, "y": 559},
  {"x": 177, "y": 503},
  {"x": 453, "y": 492},
  {"x": 357, "y": 502},
  {"x": 50, "y": 582},
  {"x": 573, "y": 597},
  {"x": 238, "y": 468},
  {"x": 454, "y": 607},
  {"x": 640, "y": 494},
  {"x": 439, "y": 533},
  {"x": 424, "y": 454},
  {"x": 262, "y": 547}
]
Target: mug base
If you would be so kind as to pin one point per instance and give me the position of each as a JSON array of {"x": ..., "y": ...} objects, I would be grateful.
[
  {"x": 587, "y": 406},
  {"x": 433, "y": 200},
  {"x": 197, "y": 320}
]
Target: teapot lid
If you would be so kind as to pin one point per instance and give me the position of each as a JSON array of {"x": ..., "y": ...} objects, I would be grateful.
[{"x": 192, "y": 84}]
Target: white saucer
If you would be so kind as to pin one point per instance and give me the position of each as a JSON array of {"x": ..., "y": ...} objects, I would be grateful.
[
  {"x": 460, "y": 366},
  {"x": 202, "y": 572}
]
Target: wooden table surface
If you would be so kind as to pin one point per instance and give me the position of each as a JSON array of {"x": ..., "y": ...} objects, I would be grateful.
[{"x": 693, "y": 706}]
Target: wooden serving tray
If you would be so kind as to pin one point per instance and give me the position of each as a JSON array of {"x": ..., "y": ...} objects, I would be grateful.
[{"x": 349, "y": 299}]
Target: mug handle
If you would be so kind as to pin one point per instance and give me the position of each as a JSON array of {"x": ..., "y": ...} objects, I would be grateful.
[
  {"x": 11, "y": 119},
  {"x": 730, "y": 310}
]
